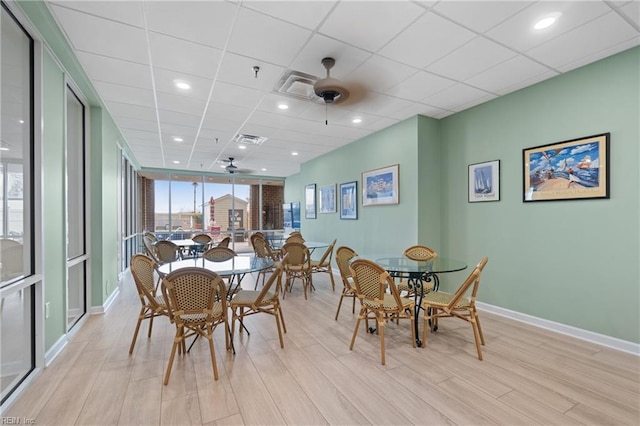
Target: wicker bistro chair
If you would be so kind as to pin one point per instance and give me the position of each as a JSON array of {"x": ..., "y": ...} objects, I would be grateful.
[
  {"x": 224, "y": 242},
  {"x": 343, "y": 256},
  {"x": 439, "y": 304},
  {"x": 150, "y": 248},
  {"x": 167, "y": 251},
  {"x": 324, "y": 264},
  {"x": 203, "y": 242},
  {"x": 298, "y": 265},
  {"x": 222, "y": 254},
  {"x": 266, "y": 301},
  {"x": 198, "y": 304},
  {"x": 371, "y": 281},
  {"x": 153, "y": 237},
  {"x": 294, "y": 238},
  {"x": 419, "y": 253},
  {"x": 261, "y": 249},
  {"x": 153, "y": 305}
]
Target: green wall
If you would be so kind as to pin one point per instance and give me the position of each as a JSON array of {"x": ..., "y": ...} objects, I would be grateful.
[
  {"x": 571, "y": 262},
  {"x": 54, "y": 224},
  {"x": 59, "y": 62}
]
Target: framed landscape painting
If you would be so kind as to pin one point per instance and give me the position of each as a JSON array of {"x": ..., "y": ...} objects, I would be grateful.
[
  {"x": 484, "y": 181},
  {"x": 310, "y": 201},
  {"x": 381, "y": 186},
  {"x": 327, "y": 199},
  {"x": 349, "y": 200},
  {"x": 570, "y": 170}
]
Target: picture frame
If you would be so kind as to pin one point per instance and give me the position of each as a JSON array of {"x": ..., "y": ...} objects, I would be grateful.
[
  {"x": 349, "y": 200},
  {"x": 310, "y": 201},
  {"x": 381, "y": 186},
  {"x": 327, "y": 198},
  {"x": 484, "y": 181},
  {"x": 570, "y": 170}
]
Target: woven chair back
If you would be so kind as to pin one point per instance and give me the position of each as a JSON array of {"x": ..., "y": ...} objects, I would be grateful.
[
  {"x": 166, "y": 251},
  {"x": 343, "y": 255},
  {"x": 298, "y": 254},
  {"x": 202, "y": 239},
  {"x": 196, "y": 294},
  {"x": 224, "y": 242},
  {"x": 219, "y": 254},
  {"x": 420, "y": 253},
  {"x": 259, "y": 245},
  {"x": 471, "y": 283},
  {"x": 328, "y": 254}
]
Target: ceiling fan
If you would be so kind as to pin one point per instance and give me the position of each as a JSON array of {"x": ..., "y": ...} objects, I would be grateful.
[
  {"x": 231, "y": 168},
  {"x": 331, "y": 90}
]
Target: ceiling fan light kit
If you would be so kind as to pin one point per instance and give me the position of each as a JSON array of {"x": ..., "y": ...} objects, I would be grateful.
[{"x": 330, "y": 89}]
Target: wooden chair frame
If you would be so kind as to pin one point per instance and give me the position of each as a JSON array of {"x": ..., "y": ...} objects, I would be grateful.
[
  {"x": 343, "y": 256},
  {"x": 443, "y": 305},
  {"x": 298, "y": 265},
  {"x": 324, "y": 264},
  {"x": 371, "y": 282}
]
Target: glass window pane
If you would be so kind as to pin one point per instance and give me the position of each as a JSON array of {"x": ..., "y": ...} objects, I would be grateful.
[
  {"x": 76, "y": 296},
  {"x": 75, "y": 175}
]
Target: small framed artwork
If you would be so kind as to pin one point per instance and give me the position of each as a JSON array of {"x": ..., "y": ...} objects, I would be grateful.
[
  {"x": 349, "y": 200},
  {"x": 327, "y": 198},
  {"x": 381, "y": 186},
  {"x": 484, "y": 181},
  {"x": 570, "y": 170},
  {"x": 310, "y": 201}
]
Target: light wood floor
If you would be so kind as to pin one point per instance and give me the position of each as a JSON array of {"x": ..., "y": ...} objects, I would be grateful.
[{"x": 528, "y": 376}]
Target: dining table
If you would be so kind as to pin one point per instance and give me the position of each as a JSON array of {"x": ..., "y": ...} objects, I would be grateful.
[{"x": 417, "y": 273}]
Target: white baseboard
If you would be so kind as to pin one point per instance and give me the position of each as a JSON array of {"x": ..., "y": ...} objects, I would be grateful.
[
  {"x": 578, "y": 333},
  {"x": 55, "y": 350},
  {"x": 98, "y": 310}
]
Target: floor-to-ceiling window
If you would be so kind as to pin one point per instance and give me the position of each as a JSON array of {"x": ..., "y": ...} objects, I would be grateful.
[
  {"x": 221, "y": 206},
  {"x": 77, "y": 256},
  {"x": 17, "y": 258},
  {"x": 130, "y": 191}
]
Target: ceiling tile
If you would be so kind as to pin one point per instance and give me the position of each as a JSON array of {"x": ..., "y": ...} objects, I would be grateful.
[
  {"x": 209, "y": 21},
  {"x": 348, "y": 58},
  {"x": 631, "y": 10},
  {"x": 479, "y": 15},
  {"x": 601, "y": 33},
  {"x": 451, "y": 97},
  {"x": 420, "y": 85},
  {"x": 117, "y": 71},
  {"x": 236, "y": 95},
  {"x": 127, "y": 12},
  {"x": 473, "y": 58},
  {"x": 119, "y": 109},
  {"x": 108, "y": 38},
  {"x": 381, "y": 74},
  {"x": 518, "y": 32},
  {"x": 238, "y": 70},
  {"x": 183, "y": 56},
  {"x": 515, "y": 72},
  {"x": 308, "y": 16},
  {"x": 124, "y": 94},
  {"x": 415, "y": 109},
  {"x": 255, "y": 34},
  {"x": 427, "y": 40},
  {"x": 371, "y": 27},
  {"x": 165, "y": 82},
  {"x": 180, "y": 103},
  {"x": 137, "y": 124}
]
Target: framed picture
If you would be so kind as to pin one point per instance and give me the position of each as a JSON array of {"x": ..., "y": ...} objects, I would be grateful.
[
  {"x": 380, "y": 186},
  {"x": 327, "y": 201},
  {"x": 484, "y": 181},
  {"x": 349, "y": 200},
  {"x": 310, "y": 201},
  {"x": 570, "y": 170}
]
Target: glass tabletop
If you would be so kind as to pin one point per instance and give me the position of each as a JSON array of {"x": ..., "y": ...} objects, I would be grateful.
[
  {"x": 234, "y": 266},
  {"x": 404, "y": 265}
]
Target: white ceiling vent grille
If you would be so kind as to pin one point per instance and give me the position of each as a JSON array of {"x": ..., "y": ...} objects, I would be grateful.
[
  {"x": 249, "y": 139},
  {"x": 297, "y": 84}
]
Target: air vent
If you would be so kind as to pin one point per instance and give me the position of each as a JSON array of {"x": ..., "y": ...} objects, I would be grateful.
[
  {"x": 249, "y": 139},
  {"x": 297, "y": 84}
]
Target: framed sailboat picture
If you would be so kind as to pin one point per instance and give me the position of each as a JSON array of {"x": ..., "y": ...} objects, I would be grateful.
[{"x": 484, "y": 181}]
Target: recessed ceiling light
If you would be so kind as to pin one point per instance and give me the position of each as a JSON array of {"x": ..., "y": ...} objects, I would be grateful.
[
  {"x": 21, "y": 121},
  {"x": 294, "y": 153},
  {"x": 357, "y": 120},
  {"x": 181, "y": 84},
  {"x": 176, "y": 162},
  {"x": 177, "y": 139},
  {"x": 4, "y": 148},
  {"x": 263, "y": 169},
  {"x": 242, "y": 147},
  {"x": 283, "y": 106},
  {"x": 547, "y": 21}
]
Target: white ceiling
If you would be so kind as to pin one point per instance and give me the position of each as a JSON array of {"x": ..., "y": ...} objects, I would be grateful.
[{"x": 433, "y": 58}]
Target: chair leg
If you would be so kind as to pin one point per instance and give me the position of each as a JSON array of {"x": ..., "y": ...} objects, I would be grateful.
[
  {"x": 381, "y": 327},
  {"x": 427, "y": 318},
  {"x": 213, "y": 352},
  {"x": 150, "y": 324},
  {"x": 339, "y": 304},
  {"x": 479, "y": 328},
  {"x": 355, "y": 331},
  {"x": 333, "y": 283},
  {"x": 177, "y": 340},
  {"x": 476, "y": 335},
  {"x": 135, "y": 333},
  {"x": 284, "y": 326},
  {"x": 275, "y": 314}
]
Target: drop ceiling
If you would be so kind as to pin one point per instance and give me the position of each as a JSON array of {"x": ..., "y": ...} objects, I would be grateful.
[{"x": 399, "y": 58}]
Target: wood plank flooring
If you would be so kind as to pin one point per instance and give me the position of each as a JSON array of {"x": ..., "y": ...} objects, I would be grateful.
[{"x": 528, "y": 376}]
